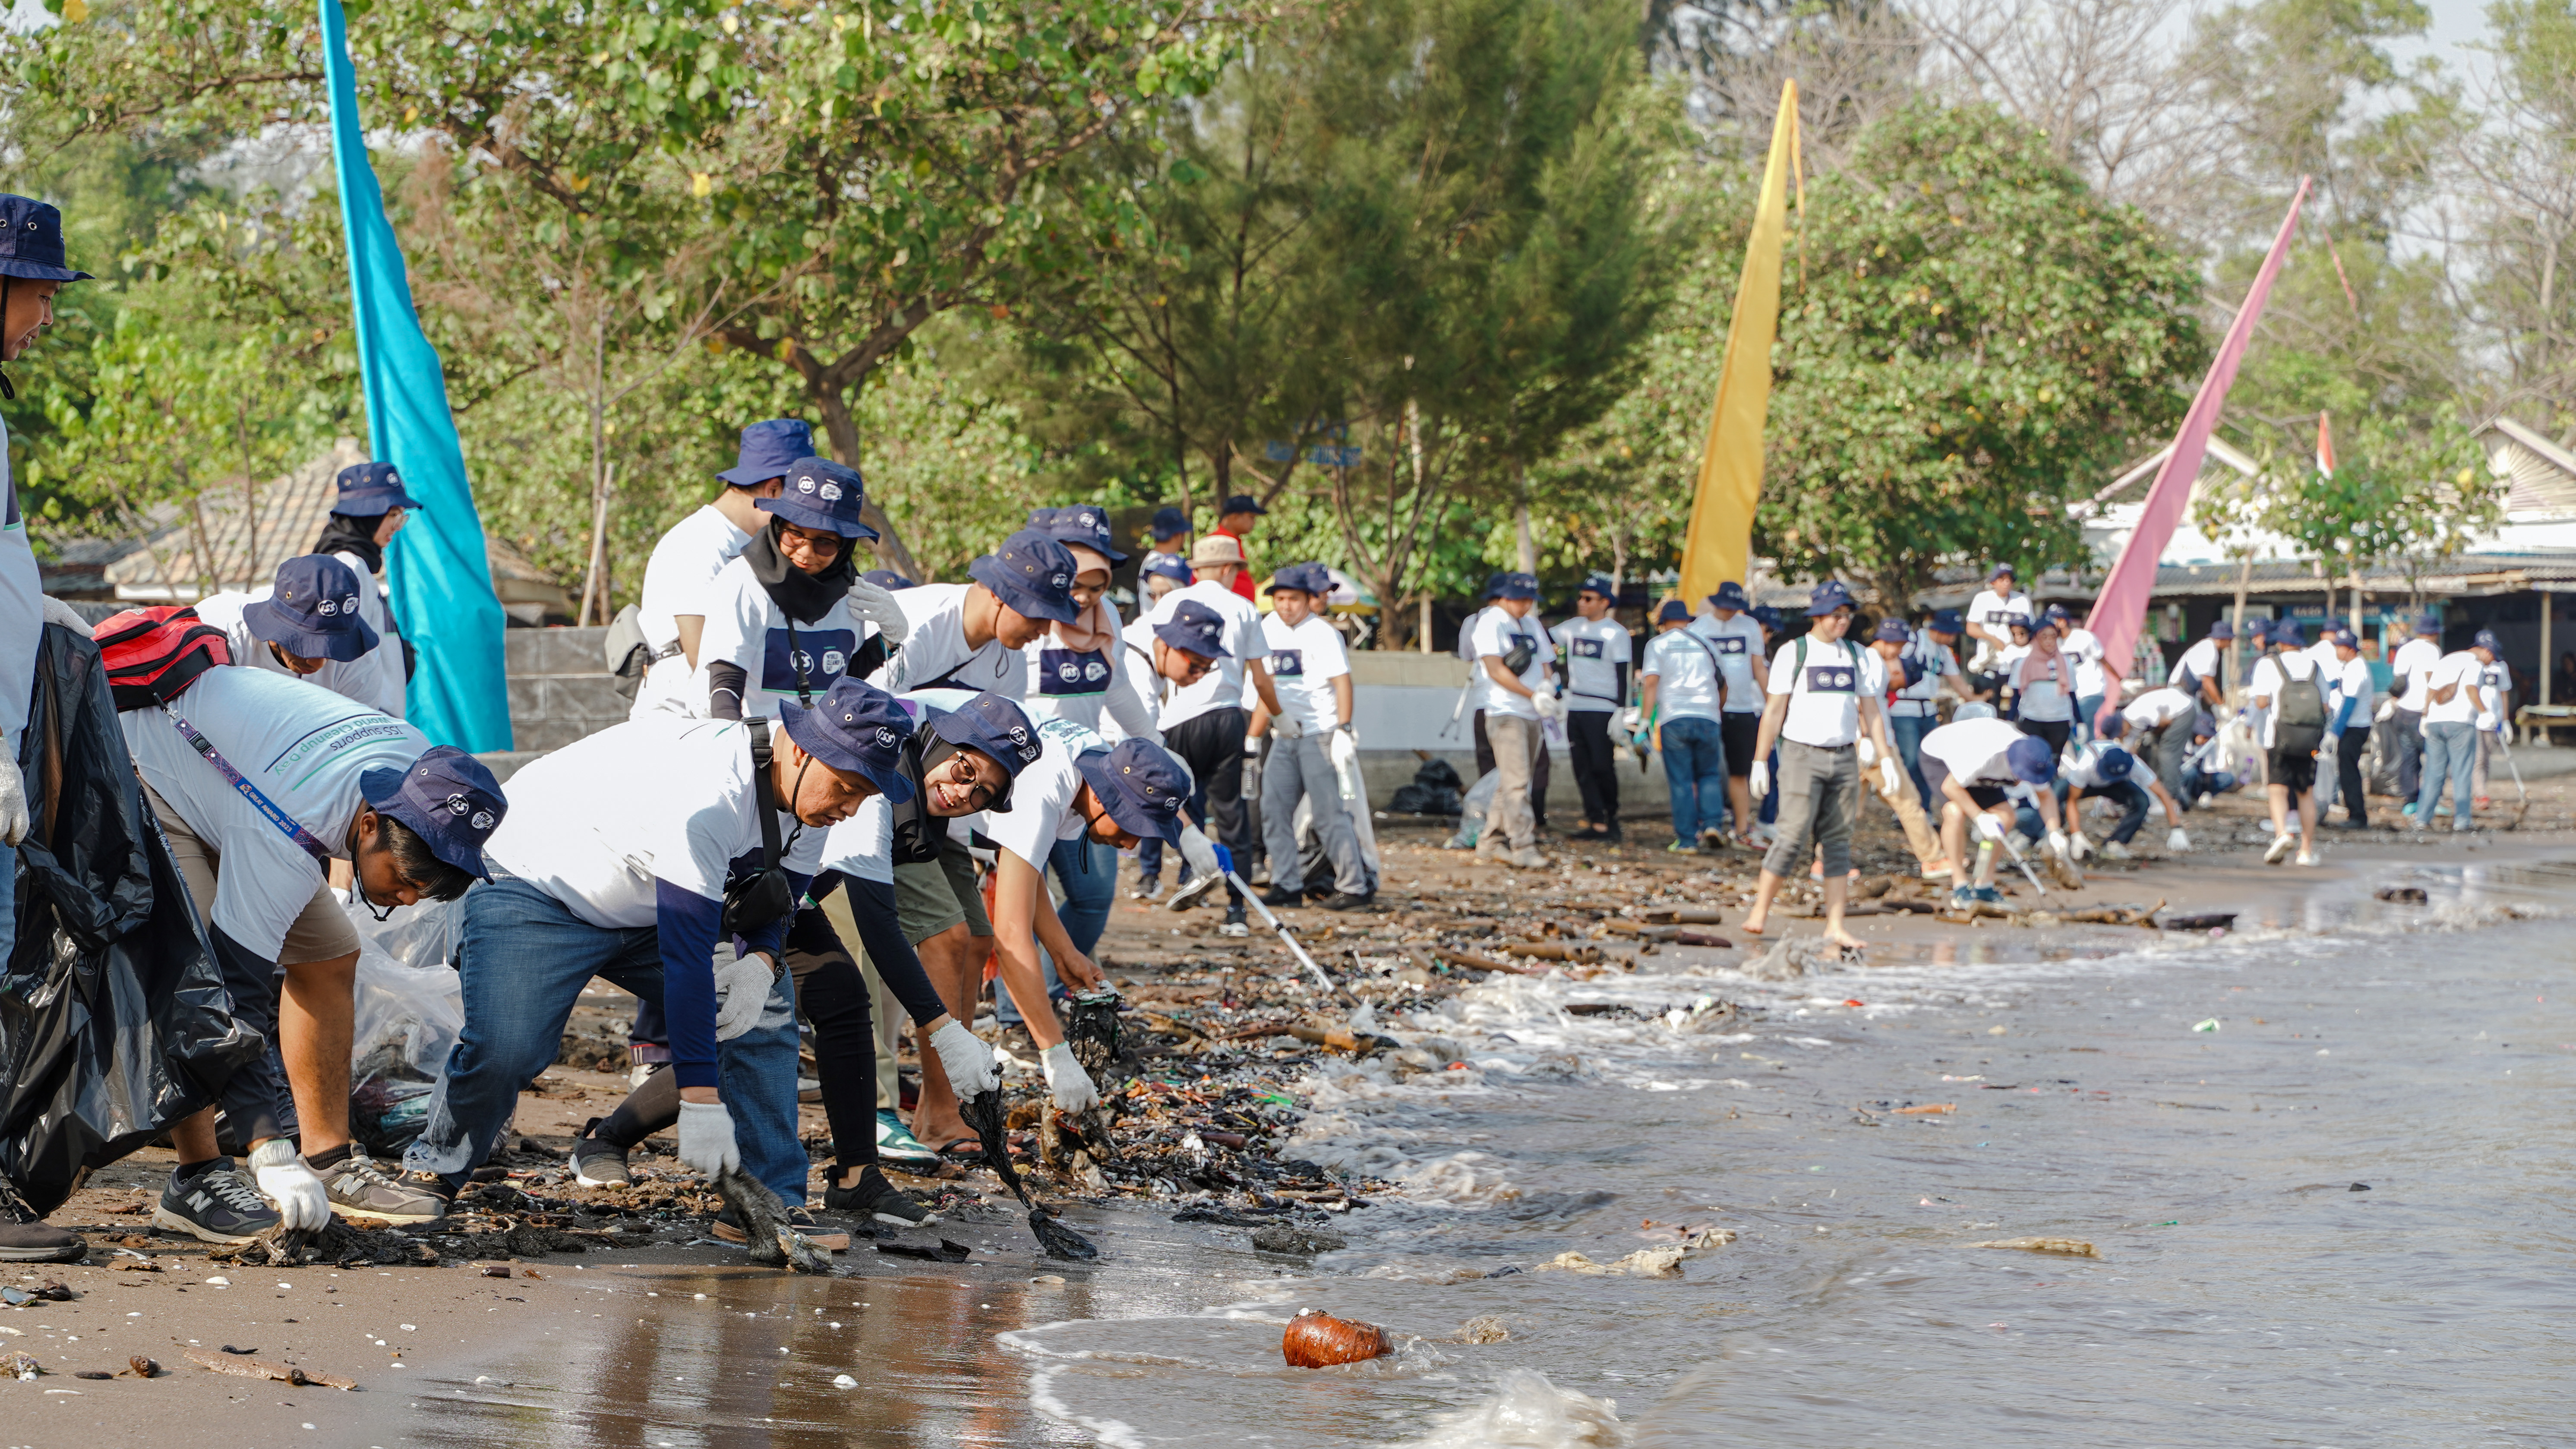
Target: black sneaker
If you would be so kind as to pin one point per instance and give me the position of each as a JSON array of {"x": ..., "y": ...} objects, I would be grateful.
[
  {"x": 25, "y": 1237},
  {"x": 874, "y": 1197},
  {"x": 829, "y": 1239},
  {"x": 218, "y": 1205},
  {"x": 596, "y": 1163},
  {"x": 1282, "y": 900},
  {"x": 1345, "y": 901},
  {"x": 361, "y": 1189}
]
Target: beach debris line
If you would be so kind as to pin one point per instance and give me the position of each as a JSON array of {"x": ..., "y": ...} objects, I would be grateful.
[
  {"x": 2063, "y": 1247},
  {"x": 1316, "y": 1339}
]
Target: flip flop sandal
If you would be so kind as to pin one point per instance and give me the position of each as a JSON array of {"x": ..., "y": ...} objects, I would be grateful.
[{"x": 965, "y": 1151}]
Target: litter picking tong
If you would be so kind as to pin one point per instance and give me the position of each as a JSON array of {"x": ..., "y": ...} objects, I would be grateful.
[
  {"x": 2504, "y": 744},
  {"x": 1274, "y": 923},
  {"x": 2005, "y": 840}
]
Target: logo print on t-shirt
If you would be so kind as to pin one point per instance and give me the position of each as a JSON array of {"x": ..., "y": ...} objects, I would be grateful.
[
  {"x": 1287, "y": 663},
  {"x": 1731, "y": 644},
  {"x": 1587, "y": 648},
  {"x": 825, "y": 655},
  {"x": 1068, "y": 671},
  {"x": 1832, "y": 679}
]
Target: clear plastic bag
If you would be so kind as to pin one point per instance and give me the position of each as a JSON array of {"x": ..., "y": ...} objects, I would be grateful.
[{"x": 409, "y": 1010}]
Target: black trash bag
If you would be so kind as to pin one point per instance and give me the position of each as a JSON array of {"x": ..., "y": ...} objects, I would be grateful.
[
  {"x": 1434, "y": 790},
  {"x": 114, "y": 1021}
]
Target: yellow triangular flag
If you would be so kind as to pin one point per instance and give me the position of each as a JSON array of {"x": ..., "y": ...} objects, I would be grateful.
[{"x": 1730, "y": 472}]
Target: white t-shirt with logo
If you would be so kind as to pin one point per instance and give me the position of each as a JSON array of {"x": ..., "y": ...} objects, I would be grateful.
[
  {"x": 1738, "y": 642},
  {"x": 2495, "y": 682},
  {"x": 684, "y": 562},
  {"x": 391, "y": 688},
  {"x": 596, "y": 823},
  {"x": 746, "y": 628},
  {"x": 1497, "y": 633},
  {"x": 1082, "y": 685},
  {"x": 2272, "y": 674},
  {"x": 2414, "y": 663},
  {"x": 1975, "y": 749},
  {"x": 1825, "y": 692},
  {"x": 1921, "y": 699},
  {"x": 2083, "y": 651},
  {"x": 2201, "y": 661},
  {"x": 934, "y": 649},
  {"x": 1593, "y": 650},
  {"x": 1685, "y": 667},
  {"x": 1042, "y": 810},
  {"x": 1221, "y": 687},
  {"x": 304, "y": 748},
  {"x": 1990, "y": 610},
  {"x": 2157, "y": 707},
  {"x": 2353, "y": 682},
  {"x": 356, "y": 679},
  {"x": 2462, "y": 668},
  {"x": 2082, "y": 767},
  {"x": 1304, "y": 662}
]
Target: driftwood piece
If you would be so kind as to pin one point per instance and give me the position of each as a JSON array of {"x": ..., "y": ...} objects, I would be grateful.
[
  {"x": 1554, "y": 951},
  {"x": 256, "y": 1368},
  {"x": 1474, "y": 962}
]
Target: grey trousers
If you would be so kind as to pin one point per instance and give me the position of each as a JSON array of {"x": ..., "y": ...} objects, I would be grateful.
[
  {"x": 1519, "y": 744},
  {"x": 1303, "y": 766},
  {"x": 1819, "y": 790}
]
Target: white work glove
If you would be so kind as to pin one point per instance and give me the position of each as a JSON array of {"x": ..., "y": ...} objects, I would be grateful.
[
  {"x": 13, "y": 797},
  {"x": 2177, "y": 840},
  {"x": 1071, "y": 1085},
  {"x": 58, "y": 612},
  {"x": 1547, "y": 705},
  {"x": 2486, "y": 724},
  {"x": 1759, "y": 782},
  {"x": 968, "y": 1062},
  {"x": 1199, "y": 853},
  {"x": 1887, "y": 772},
  {"x": 2057, "y": 842},
  {"x": 875, "y": 603},
  {"x": 706, "y": 1137},
  {"x": 2077, "y": 847},
  {"x": 1286, "y": 728},
  {"x": 302, "y": 1202},
  {"x": 1989, "y": 828},
  {"x": 742, "y": 992}
]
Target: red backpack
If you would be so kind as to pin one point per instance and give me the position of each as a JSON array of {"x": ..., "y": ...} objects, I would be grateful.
[{"x": 153, "y": 655}]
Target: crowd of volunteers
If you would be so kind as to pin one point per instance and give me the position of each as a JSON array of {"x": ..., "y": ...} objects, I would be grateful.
[{"x": 841, "y": 792}]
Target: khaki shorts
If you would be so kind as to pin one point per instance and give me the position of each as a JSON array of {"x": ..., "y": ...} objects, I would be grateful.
[
  {"x": 321, "y": 933},
  {"x": 936, "y": 895}
]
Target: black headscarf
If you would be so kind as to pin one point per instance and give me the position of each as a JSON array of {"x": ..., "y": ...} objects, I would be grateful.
[
  {"x": 803, "y": 597},
  {"x": 345, "y": 534}
]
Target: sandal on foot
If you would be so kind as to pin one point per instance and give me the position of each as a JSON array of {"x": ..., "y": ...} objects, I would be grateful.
[{"x": 965, "y": 1151}]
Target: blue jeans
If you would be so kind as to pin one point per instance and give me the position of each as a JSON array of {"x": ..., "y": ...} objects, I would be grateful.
[
  {"x": 523, "y": 959},
  {"x": 1085, "y": 912},
  {"x": 1908, "y": 730},
  {"x": 2450, "y": 752},
  {"x": 1695, "y": 772},
  {"x": 2133, "y": 804},
  {"x": 2086, "y": 707}
]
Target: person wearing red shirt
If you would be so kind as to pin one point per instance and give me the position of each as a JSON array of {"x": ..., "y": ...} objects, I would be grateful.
[{"x": 1236, "y": 520}]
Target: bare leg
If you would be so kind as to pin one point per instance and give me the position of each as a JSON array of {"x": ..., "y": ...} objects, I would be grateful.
[
  {"x": 1837, "y": 894},
  {"x": 2279, "y": 796},
  {"x": 1739, "y": 798},
  {"x": 1760, "y": 915},
  {"x": 954, "y": 962},
  {"x": 194, "y": 1138},
  {"x": 1954, "y": 841},
  {"x": 313, "y": 1025}
]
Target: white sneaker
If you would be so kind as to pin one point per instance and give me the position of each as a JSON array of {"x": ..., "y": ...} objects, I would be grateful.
[
  {"x": 2279, "y": 848},
  {"x": 2114, "y": 850},
  {"x": 2306, "y": 857},
  {"x": 1150, "y": 890}
]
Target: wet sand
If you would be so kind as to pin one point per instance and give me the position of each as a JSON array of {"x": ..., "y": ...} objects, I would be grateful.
[{"x": 618, "y": 1347}]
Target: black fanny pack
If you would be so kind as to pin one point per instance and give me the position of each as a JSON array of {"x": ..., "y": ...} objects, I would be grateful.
[{"x": 755, "y": 902}]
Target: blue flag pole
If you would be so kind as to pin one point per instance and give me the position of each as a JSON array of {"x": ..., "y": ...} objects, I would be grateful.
[{"x": 442, "y": 581}]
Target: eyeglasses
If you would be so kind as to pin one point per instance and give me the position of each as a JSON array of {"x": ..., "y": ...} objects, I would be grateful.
[
  {"x": 1195, "y": 664},
  {"x": 980, "y": 792}
]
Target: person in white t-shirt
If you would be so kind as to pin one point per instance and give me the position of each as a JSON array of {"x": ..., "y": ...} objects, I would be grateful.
[
  {"x": 310, "y": 625},
  {"x": 2354, "y": 703},
  {"x": 1825, "y": 691},
  {"x": 1681, "y": 691},
  {"x": 1514, "y": 656},
  {"x": 1990, "y": 613},
  {"x": 1736, "y": 631},
  {"x": 969, "y": 636},
  {"x": 2289, "y": 687},
  {"x": 1596, "y": 649},
  {"x": 2159, "y": 728},
  {"x": 687, "y": 558},
  {"x": 2411, "y": 668},
  {"x": 1208, "y": 725},
  {"x": 2201, "y": 672},
  {"x": 2083, "y": 651},
  {"x": 259, "y": 782},
  {"x": 1312, "y": 677},
  {"x": 1075, "y": 671},
  {"x": 1928, "y": 665},
  {"x": 2495, "y": 695},
  {"x": 2042, "y": 688},
  {"x": 1142, "y": 674},
  {"x": 784, "y": 619},
  {"x": 2103, "y": 766},
  {"x": 2451, "y": 708},
  {"x": 1472, "y": 699},
  {"x": 370, "y": 507},
  {"x": 1977, "y": 766}
]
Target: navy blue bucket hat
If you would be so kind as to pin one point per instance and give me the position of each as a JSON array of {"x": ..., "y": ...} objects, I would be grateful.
[
  {"x": 888, "y": 580},
  {"x": 1516, "y": 586},
  {"x": 313, "y": 610},
  {"x": 1673, "y": 611},
  {"x": 2032, "y": 762},
  {"x": 995, "y": 725},
  {"x": 1306, "y": 578},
  {"x": 770, "y": 449},
  {"x": 1169, "y": 522},
  {"x": 1729, "y": 595},
  {"x": 819, "y": 493},
  {"x": 856, "y": 728},
  {"x": 1031, "y": 574},
  {"x": 1083, "y": 523},
  {"x": 31, "y": 242},
  {"x": 1169, "y": 567},
  {"x": 448, "y": 798},
  {"x": 371, "y": 490},
  {"x": 1829, "y": 596},
  {"x": 1194, "y": 628},
  {"x": 1141, "y": 786}
]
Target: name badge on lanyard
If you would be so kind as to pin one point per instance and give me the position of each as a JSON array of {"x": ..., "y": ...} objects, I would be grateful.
[
  {"x": 1066, "y": 671},
  {"x": 825, "y": 657},
  {"x": 1287, "y": 663}
]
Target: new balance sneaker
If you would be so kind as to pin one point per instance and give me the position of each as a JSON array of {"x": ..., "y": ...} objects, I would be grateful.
[
  {"x": 25, "y": 1237},
  {"x": 596, "y": 1163},
  {"x": 1234, "y": 926},
  {"x": 897, "y": 1145},
  {"x": 879, "y": 1200},
  {"x": 829, "y": 1239},
  {"x": 1148, "y": 889},
  {"x": 361, "y": 1189},
  {"x": 217, "y": 1205}
]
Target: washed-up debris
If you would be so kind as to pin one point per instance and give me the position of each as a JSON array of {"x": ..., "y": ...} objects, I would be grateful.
[
  {"x": 1316, "y": 1339},
  {"x": 772, "y": 1241},
  {"x": 2404, "y": 895},
  {"x": 23, "y": 1368},
  {"x": 1663, "y": 1262},
  {"x": 338, "y": 1243},
  {"x": 1484, "y": 1328},
  {"x": 1299, "y": 1241},
  {"x": 944, "y": 1251},
  {"x": 1684, "y": 917},
  {"x": 1794, "y": 956},
  {"x": 2207, "y": 920},
  {"x": 1929, "y": 1109},
  {"x": 984, "y": 1113},
  {"x": 2065, "y": 1247},
  {"x": 254, "y": 1368},
  {"x": 1552, "y": 951},
  {"x": 2114, "y": 915},
  {"x": 1474, "y": 962},
  {"x": 144, "y": 1368}
]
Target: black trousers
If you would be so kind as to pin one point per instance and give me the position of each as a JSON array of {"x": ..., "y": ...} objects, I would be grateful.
[
  {"x": 1596, "y": 770},
  {"x": 2350, "y": 746},
  {"x": 2408, "y": 726},
  {"x": 1538, "y": 773},
  {"x": 1212, "y": 746}
]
